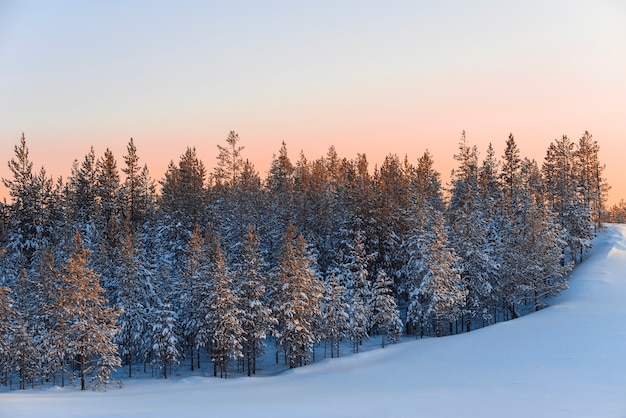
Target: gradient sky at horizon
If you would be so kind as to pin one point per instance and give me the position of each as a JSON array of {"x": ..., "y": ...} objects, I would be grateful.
[{"x": 367, "y": 77}]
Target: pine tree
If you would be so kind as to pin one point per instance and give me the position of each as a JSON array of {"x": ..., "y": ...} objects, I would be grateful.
[
  {"x": 593, "y": 186},
  {"x": 256, "y": 317},
  {"x": 354, "y": 275},
  {"x": 510, "y": 173},
  {"x": 25, "y": 355},
  {"x": 90, "y": 325},
  {"x": 469, "y": 223},
  {"x": 385, "y": 315},
  {"x": 32, "y": 193},
  {"x": 224, "y": 315},
  {"x": 136, "y": 189},
  {"x": 359, "y": 324},
  {"x": 297, "y": 303},
  {"x": 135, "y": 299},
  {"x": 440, "y": 295},
  {"x": 565, "y": 196},
  {"x": 335, "y": 318},
  {"x": 194, "y": 290},
  {"x": 164, "y": 339},
  {"x": 7, "y": 321},
  {"x": 229, "y": 161}
]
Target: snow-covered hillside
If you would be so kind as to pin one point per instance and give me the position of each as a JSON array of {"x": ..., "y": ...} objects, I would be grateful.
[{"x": 568, "y": 360}]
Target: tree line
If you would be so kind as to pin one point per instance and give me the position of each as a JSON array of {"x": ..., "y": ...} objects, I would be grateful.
[{"x": 106, "y": 269}]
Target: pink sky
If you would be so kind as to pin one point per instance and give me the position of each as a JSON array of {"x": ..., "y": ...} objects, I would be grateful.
[{"x": 366, "y": 77}]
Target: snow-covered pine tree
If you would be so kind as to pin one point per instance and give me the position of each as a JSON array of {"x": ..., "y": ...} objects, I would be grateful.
[
  {"x": 354, "y": 274},
  {"x": 565, "y": 196},
  {"x": 192, "y": 292},
  {"x": 7, "y": 321},
  {"x": 223, "y": 318},
  {"x": 359, "y": 321},
  {"x": 335, "y": 318},
  {"x": 440, "y": 296},
  {"x": 29, "y": 225},
  {"x": 385, "y": 314},
  {"x": 298, "y": 298},
  {"x": 533, "y": 261},
  {"x": 164, "y": 339},
  {"x": 24, "y": 354},
  {"x": 256, "y": 317},
  {"x": 90, "y": 324},
  {"x": 592, "y": 185},
  {"x": 469, "y": 222},
  {"x": 135, "y": 298}
]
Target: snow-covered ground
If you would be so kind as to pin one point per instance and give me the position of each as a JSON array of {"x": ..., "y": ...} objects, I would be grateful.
[{"x": 568, "y": 360}]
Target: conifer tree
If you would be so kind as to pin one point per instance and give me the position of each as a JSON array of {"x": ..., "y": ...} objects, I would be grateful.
[
  {"x": 90, "y": 324},
  {"x": 193, "y": 292},
  {"x": 229, "y": 161},
  {"x": 335, "y": 318},
  {"x": 592, "y": 184},
  {"x": 7, "y": 321},
  {"x": 469, "y": 222},
  {"x": 135, "y": 299},
  {"x": 224, "y": 315},
  {"x": 566, "y": 197},
  {"x": 297, "y": 303},
  {"x": 440, "y": 295},
  {"x": 385, "y": 315},
  {"x": 256, "y": 316},
  {"x": 164, "y": 339}
]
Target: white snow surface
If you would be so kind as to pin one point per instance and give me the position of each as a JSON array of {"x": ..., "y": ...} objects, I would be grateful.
[{"x": 568, "y": 360}]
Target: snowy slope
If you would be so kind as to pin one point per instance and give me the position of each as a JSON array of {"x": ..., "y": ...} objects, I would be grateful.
[{"x": 568, "y": 360}]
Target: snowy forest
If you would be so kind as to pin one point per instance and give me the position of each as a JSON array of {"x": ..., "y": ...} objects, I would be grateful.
[{"x": 110, "y": 268}]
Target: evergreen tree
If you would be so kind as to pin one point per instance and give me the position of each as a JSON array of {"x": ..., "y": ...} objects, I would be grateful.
[
  {"x": 385, "y": 315},
  {"x": 224, "y": 315},
  {"x": 229, "y": 161},
  {"x": 164, "y": 339},
  {"x": 440, "y": 296},
  {"x": 135, "y": 299},
  {"x": 335, "y": 318},
  {"x": 469, "y": 218},
  {"x": 592, "y": 184},
  {"x": 137, "y": 188},
  {"x": 566, "y": 197},
  {"x": 297, "y": 303},
  {"x": 29, "y": 225},
  {"x": 24, "y": 354},
  {"x": 256, "y": 316},
  {"x": 193, "y": 292},
  {"x": 90, "y": 324},
  {"x": 7, "y": 321},
  {"x": 354, "y": 276}
]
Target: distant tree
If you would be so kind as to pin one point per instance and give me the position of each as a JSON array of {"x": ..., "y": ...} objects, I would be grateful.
[
  {"x": 229, "y": 161},
  {"x": 593, "y": 186}
]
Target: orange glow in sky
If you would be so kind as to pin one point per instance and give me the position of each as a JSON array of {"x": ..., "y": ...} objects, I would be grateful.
[{"x": 367, "y": 77}]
